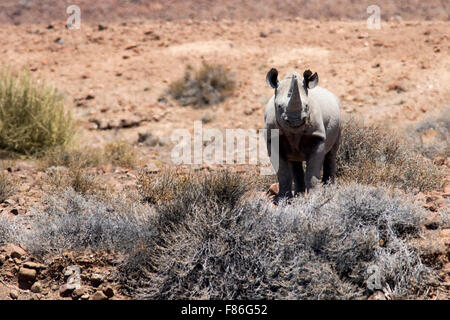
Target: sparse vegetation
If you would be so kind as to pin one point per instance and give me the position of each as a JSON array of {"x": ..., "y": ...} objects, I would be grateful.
[
  {"x": 6, "y": 187},
  {"x": 375, "y": 155},
  {"x": 151, "y": 140},
  {"x": 32, "y": 116},
  {"x": 207, "y": 86},
  {"x": 76, "y": 222},
  {"x": 72, "y": 158},
  {"x": 431, "y": 137},
  {"x": 81, "y": 181},
  {"x": 121, "y": 153},
  {"x": 203, "y": 237},
  {"x": 318, "y": 247}
]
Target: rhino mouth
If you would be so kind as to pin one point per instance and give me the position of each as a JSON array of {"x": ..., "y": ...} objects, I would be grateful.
[{"x": 293, "y": 120}]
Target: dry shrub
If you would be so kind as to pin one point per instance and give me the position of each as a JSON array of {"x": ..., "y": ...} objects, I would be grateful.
[
  {"x": 210, "y": 240},
  {"x": 207, "y": 86},
  {"x": 76, "y": 178},
  {"x": 6, "y": 187},
  {"x": 32, "y": 116},
  {"x": 375, "y": 155},
  {"x": 70, "y": 157},
  {"x": 121, "y": 153},
  {"x": 72, "y": 221},
  {"x": 207, "y": 246},
  {"x": 437, "y": 128}
]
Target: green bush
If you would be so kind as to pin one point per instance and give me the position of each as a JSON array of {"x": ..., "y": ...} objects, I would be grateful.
[{"x": 32, "y": 116}]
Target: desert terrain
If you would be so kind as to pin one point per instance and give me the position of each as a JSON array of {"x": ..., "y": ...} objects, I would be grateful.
[{"x": 114, "y": 73}]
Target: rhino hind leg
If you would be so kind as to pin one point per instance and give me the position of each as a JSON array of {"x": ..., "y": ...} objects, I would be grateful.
[
  {"x": 329, "y": 165},
  {"x": 299, "y": 177}
]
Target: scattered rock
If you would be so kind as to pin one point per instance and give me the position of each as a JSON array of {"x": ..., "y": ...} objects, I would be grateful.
[
  {"x": 66, "y": 289},
  {"x": 130, "y": 47},
  {"x": 2, "y": 259},
  {"x": 78, "y": 293},
  {"x": 85, "y": 297},
  {"x": 102, "y": 27},
  {"x": 273, "y": 191},
  {"x": 109, "y": 292},
  {"x": 34, "y": 265},
  {"x": 14, "y": 251},
  {"x": 377, "y": 295},
  {"x": 432, "y": 225},
  {"x": 14, "y": 294},
  {"x": 397, "y": 87},
  {"x": 36, "y": 287},
  {"x": 26, "y": 274},
  {"x": 99, "y": 296},
  {"x": 96, "y": 279}
]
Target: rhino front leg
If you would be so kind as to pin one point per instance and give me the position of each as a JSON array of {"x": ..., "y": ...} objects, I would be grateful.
[
  {"x": 284, "y": 175},
  {"x": 313, "y": 165},
  {"x": 298, "y": 176}
]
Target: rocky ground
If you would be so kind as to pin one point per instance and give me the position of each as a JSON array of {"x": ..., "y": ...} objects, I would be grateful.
[{"x": 114, "y": 76}]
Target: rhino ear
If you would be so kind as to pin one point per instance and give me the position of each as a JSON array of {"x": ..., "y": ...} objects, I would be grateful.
[
  {"x": 310, "y": 80},
  {"x": 272, "y": 78}
]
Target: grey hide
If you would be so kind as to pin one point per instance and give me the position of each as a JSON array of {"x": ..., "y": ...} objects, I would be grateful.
[{"x": 309, "y": 122}]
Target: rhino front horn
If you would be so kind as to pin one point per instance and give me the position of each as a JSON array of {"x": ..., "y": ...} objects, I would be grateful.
[{"x": 295, "y": 102}]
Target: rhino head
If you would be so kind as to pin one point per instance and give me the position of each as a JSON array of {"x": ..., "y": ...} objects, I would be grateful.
[{"x": 291, "y": 97}]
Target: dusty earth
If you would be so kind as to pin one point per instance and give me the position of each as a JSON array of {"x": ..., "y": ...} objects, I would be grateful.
[{"x": 114, "y": 75}]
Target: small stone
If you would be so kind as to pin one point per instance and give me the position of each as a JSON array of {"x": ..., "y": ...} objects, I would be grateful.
[
  {"x": 14, "y": 251},
  {"x": 447, "y": 190},
  {"x": 36, "y": 287},
  {"x": 66, "y": 289},
  {"x": 109, "y": 292},
  {"x": 85, "y": 297},
  {"x": 14, "y": 294},
  {"x": 2, "y": 259},
  {"x": 96, "y": 279},
  {"x": 27, "y": 274},
  {"x": 98, "y": 296},
  {"x": 273, "y": 190},
  {"x": 377, "y": 295},
  {"x": 34, "y": 265},
  {"x": 78, "y": 293}
]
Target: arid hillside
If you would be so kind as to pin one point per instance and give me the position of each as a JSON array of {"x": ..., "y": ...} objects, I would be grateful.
[{"x": 33, "y": 11}]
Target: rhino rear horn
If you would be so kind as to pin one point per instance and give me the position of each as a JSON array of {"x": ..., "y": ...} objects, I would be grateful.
[
  {"x": 272, "y": 78},
  {"x": 310, "y": 80}
]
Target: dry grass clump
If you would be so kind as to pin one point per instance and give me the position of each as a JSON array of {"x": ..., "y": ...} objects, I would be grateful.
[
  {"x": 207, "y": 86},
  {"x": 72, "y": 221},
  {"x": 76, "y": 178},
  {"x": 121, "y": 153},
  {"x": 32, "y": 116},
  {"x": 431, "y": 137},
  {"x": 207, "y": 246},
  {"x": 375, "y": 155},
  {"x": 151, "y": 140},
  {"x": 6, "y": 187},
  {"x": 70, "y": 157}
]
